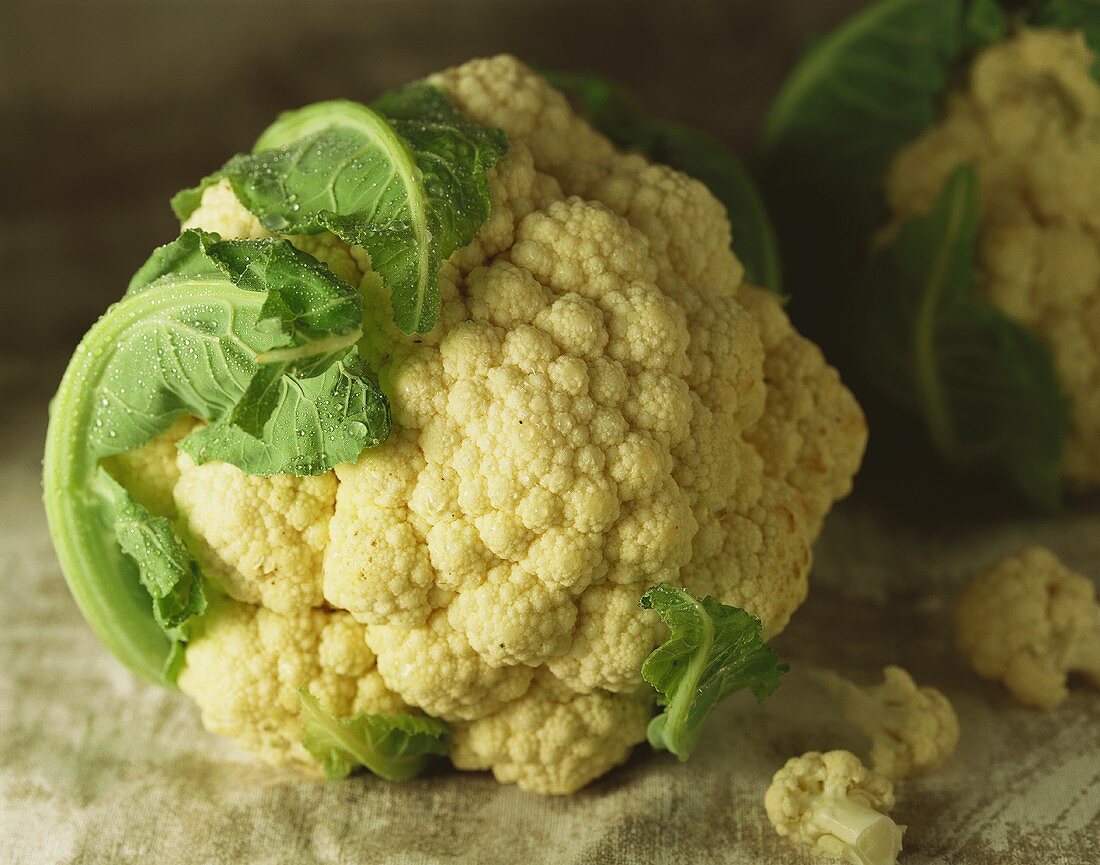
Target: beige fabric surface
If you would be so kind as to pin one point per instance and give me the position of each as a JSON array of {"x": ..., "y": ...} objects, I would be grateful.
[{"x": 96, "y": 767}]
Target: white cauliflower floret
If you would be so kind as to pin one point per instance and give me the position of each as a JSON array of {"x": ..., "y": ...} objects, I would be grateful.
[
  {"x": 262, "y": 538},
  {"x": 435, "y": 668},
  {"x": 1028, "y": 121},
  {"x": 149, "y": 473},
  {"x": 834, "y": 804},
  {"x": 611, "y": 639},
  {"x": 554, "y": 740},
  {"x": 245, "y": 670},
  {"x": 602, "y": 406},
  {"x": 1029, "y": 621},
  {"x": 219, "y": 211},
  {"x": 913, "y": 729}
]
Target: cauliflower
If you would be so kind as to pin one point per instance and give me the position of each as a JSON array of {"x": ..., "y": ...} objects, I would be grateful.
[
  {"x": 602, "y": 404},
  {"x": 912, "y": 729},
  {"x": 602, "y": 407},
  {"x": 253, "y": 562},
  {"x": 1029, "y": 622},
  {"x": 1028, "y": 121},
  {"x": 832, "y": 803},
  {"x": 952, "y": 233}
]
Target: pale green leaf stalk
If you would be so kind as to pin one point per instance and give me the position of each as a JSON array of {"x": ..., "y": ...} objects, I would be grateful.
[
  {"x": 985, "y": 385},
  {"x": 714, "y": 650}
]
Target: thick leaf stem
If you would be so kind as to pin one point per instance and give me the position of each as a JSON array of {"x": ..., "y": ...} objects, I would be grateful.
[
  {"x": 103, "y": 581},
  {"x": 926, "y": 368}
]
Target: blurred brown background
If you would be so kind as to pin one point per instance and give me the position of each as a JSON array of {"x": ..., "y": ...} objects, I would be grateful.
[{"x": 108, "y": 107}]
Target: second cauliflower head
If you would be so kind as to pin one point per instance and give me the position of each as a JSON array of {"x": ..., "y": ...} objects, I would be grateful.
[
  {"x": 603, "y": 405},
  {"x": 1028, "y": 121}
]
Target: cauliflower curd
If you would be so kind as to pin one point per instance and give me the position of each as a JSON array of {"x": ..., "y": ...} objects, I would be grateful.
[
  {"x": 1029, "y": 621},
  {"x": 1028, "y": 121},
  {"x": 603, "y": 405}
]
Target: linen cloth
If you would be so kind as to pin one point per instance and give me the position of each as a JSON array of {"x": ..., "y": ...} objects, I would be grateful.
[{"x": 97, "y": 767}]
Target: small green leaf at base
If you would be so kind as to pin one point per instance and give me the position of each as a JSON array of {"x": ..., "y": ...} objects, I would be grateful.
[
  {"x": 714, "y": 650},
  {"x": 393, "y": 747},
  {"x": 984, "y": 384}
]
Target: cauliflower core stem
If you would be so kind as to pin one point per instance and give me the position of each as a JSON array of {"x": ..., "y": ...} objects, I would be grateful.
[{"x": 853, "y": 831}]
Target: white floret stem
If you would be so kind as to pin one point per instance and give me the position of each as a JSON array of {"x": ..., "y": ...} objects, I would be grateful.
[
  {"x": 852, "y": 701},
  {"x": 854, "y": 832}
]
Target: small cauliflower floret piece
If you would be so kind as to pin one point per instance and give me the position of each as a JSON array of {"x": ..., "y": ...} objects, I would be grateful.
[
  {"x": 913, "y": 729},
  {"x": 149, "y": 473},
  {"x": 246, "y": 665},
  {"x": 262, "y": 538},
  {"x": 1029, "y": 621},
  {"x": 834, "y": 804},
  {"x": 554, "y": 740},
  {"x": 1028, "y": 121}
]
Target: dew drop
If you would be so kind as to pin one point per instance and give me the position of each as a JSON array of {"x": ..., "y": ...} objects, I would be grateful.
[
  {"x": 274, "y": 221},
  {"x": 356, "y": 429}
]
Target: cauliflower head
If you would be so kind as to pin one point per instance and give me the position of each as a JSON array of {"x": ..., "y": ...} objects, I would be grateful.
[
  {"x": 603, "y": 405},
  {"x": 833, "y": 803},
  {"x": 1029, "y": 621},
  {"x": 1028, "y": 121},
  {"x": 913, "y": 729}
]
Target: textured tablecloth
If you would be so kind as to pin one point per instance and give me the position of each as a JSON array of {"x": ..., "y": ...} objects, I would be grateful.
[{"x": 96, "y": 767}]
